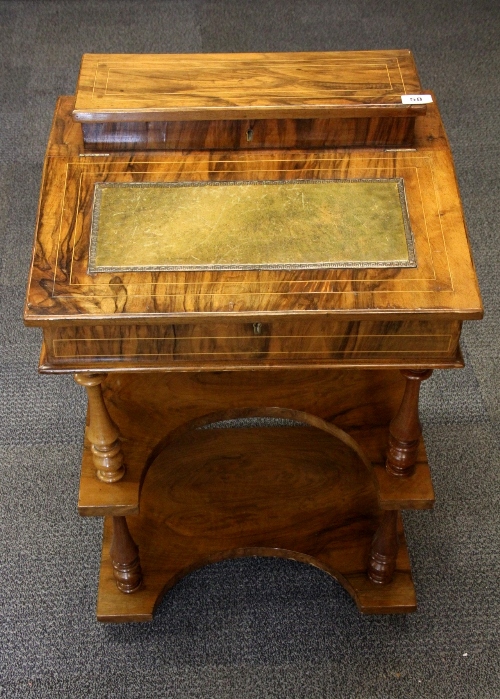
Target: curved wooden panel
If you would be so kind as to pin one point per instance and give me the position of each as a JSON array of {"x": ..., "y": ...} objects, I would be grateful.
[{"x": 296, "y": 492}]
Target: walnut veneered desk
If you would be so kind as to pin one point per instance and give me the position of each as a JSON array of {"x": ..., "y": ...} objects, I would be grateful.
[{"x": 236, "y": 236}]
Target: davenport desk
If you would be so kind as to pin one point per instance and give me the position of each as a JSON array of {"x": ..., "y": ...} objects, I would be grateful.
[{"x": 241, "y": 236}]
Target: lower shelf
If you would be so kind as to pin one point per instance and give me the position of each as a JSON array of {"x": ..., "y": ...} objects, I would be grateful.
[{"x": 292, "y": 492}]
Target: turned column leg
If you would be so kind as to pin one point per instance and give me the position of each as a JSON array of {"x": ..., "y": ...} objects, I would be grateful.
[
  {"x": 384, "y": 549},
  {"x": 405, "y": 429},
  {"x": 125, "y": 557},
  {"x": 102, "y": 433}
]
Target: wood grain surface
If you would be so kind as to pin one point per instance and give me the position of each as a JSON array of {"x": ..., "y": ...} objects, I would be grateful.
[
  {"x": 128, "y": 87},
  {"x": 405, "y": 429},
  {"x": 189, "y": 349},
  {"x": 249, "y": 134},
  {"x": 124, "y": 556},
  {"x": 61, "y": 293},
  {"x": 153, "y": 410},
  {"x": 384, "y": 550},
  {"x": 103, "y": 436},
  {"x": 293, "y": 343},
  {"x": 294, "y": 492}
]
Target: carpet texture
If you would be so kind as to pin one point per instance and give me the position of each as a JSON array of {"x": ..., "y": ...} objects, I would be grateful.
[{"x": 255, "y": 627}]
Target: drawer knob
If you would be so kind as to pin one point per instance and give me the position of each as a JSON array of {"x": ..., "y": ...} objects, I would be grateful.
[{"x": 257, "y": 328}]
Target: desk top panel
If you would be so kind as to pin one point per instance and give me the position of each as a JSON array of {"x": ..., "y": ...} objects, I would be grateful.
[
  {"x": 62, "y": 290},
  {"x": 130, "y": 87}
]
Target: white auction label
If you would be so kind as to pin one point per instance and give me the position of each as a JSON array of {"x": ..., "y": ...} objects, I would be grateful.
[{"x": 416, "y": 99}]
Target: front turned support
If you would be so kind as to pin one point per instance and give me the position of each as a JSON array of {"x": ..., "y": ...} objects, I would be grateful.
[
  {"x": 384, "y": 549},
  {"x": 125, "y": 558},
  {"x": 405, "y": 429},
  {"x": 102, "y": 432}
]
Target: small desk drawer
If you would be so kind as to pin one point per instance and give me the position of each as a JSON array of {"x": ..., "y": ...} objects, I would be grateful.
[{"x": 287, "y": 342}]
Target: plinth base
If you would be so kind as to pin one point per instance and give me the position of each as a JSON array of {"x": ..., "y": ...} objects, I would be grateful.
[{"x": 291, "y": 492}]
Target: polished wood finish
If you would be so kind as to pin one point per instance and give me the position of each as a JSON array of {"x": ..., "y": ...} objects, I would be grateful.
[
  {"x": 66, "y": 136},
  {"x": 298, "y": 342},
  {"x": 165, "y": 355},
  {"x": 129, "y": 87},
  {"x": 405, "y": 428},
  {"x": 414, "y": 492},
  {"x": 178, "y": 320},
  {"x": 223, "y": 493},
  {"x": 112, "y": 606},
  {"x": 384, "y": 550},
  {"x": 124, "y": 556},
  {"x": 103, "y": 436},
  {"x": 152, "y": 410},
  {"x": 442, "y": 287},
  {"x": 246, "y": 134}
]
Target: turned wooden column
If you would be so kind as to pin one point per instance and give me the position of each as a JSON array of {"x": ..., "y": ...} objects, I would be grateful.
[
  {"x": 102, "y": 432},
  {"x": 405, "y": 429},
  {"x": 125, "y": 558},
  {"x": 384, "y": 549}
]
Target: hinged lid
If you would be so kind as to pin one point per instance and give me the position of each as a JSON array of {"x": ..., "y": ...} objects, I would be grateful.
[
  {"x": 184, "y": 87},
  {"x": 73, "y": 282}
]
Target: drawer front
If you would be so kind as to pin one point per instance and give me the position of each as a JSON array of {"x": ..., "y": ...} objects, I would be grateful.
[
  {"x": 261, "y": 133},
  {"x": 277, "y": 343}
]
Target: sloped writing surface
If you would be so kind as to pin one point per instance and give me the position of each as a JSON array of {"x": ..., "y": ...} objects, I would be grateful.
[{"x": 297, "y": 224}]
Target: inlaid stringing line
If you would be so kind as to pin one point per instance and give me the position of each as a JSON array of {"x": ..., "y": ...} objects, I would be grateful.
[
  {"x": 389, "y": 76},
  {"x": 441, "y": 226},
  {"x": 295, "y": 282},
  {"x": 326, "y": 64},
  {"x": 247, "y": 160},
  {"x": 365, "y": 281},
  {"x": 121, "y": 172},
  {"x": 438, "y": 209},
  {"x": 425, "y": 224},
  {"x": 74, "y": 237},
  {"x": 107, "y": 81},
  {"x": 253, "y": 352},
  {"x": 60, "y": 229},
  {"x": 57, "y": 342},
  {"x": 401, "y": 74},
  {"x": 188, "y": 338},
  {"x": 95, "y": 81}
]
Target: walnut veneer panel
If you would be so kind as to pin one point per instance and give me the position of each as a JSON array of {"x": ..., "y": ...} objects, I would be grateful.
[
  {"x": 346, "y": 563},
  {"x": 296, "y": 341},
  {"x": 249, "y": 134},
  {"x": 159, "y": 87},
  {"x": 67, "y": 135},
  {"x": 223, "y": 496},
  {"x": 150, "y": 410},
  {"x": 442, "y": 285}
]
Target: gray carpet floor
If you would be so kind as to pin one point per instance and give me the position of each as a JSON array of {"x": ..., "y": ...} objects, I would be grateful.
[{"x": 256, "y": 627}]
